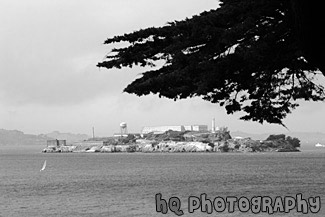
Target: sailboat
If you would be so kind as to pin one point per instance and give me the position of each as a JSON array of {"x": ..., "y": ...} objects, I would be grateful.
[{"x": 43, "y": 167}]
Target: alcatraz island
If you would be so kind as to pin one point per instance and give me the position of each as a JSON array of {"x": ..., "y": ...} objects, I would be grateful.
[{"x": 175, "y": 139}]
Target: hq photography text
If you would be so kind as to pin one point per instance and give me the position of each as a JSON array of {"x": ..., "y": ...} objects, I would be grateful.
[{"x": 256, "y": 204}]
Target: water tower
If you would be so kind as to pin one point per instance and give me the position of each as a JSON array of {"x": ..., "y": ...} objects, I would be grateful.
[{"x": 123, "y": 128}]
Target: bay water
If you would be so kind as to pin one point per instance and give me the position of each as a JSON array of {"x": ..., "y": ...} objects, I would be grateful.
[{"x": 125, "y": 184}]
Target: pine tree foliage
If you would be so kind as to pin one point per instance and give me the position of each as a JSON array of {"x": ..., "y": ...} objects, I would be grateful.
[{"x": 246, "y": 56}]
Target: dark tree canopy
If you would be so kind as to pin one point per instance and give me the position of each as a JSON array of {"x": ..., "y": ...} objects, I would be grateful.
[{"x": 258, "y": 57}]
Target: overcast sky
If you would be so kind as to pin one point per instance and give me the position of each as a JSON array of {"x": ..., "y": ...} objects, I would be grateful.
[{"x": 49, "y": 80}]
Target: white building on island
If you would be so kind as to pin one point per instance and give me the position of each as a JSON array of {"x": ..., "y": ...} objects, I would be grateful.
[
  {"x": 180, "y": 128},
  {"x": 319, "y": 145}
]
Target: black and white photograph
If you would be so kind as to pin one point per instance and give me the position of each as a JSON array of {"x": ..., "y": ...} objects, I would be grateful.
[{"x": 164, "y": 108}]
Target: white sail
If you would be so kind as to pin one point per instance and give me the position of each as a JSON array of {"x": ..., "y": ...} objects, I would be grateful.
[{"x": 44, "y": 165}]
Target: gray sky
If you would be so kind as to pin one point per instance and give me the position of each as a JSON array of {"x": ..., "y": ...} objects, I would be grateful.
[{"x": 49, "y": 80}]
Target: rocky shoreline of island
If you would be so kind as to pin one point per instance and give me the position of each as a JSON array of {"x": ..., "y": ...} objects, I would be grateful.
[{"x": 177, "y": 142}]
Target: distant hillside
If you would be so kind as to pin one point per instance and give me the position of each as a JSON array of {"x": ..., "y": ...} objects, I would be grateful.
[
  {"x": 18, "y": 138},
  {"x": 307, "y": 140},
  {"x": 70, "y": 137}
]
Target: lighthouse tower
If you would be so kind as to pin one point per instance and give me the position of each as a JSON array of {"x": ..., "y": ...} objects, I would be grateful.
[{"x": 213, "y": 127}]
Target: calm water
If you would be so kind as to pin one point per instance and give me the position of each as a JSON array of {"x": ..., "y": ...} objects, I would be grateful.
[{"x": 126, "y": 184}]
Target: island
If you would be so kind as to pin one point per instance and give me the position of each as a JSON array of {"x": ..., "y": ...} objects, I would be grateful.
[{"x": 175, "y": 142}]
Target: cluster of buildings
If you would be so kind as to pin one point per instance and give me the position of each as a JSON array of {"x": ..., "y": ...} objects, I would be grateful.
[
  {"x": 163, "y": 129},
  {"x": 145, "y": 130},
  {"x": 180, "y": 128}
]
